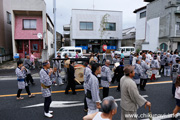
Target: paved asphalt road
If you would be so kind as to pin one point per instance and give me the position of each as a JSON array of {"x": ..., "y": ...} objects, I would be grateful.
[
  {"x": 158, "y": 93},
  {"x": 12, "y": 109}
]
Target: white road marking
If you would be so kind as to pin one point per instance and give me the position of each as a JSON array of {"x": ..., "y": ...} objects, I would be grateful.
[
  {"x": 65, "y": 104},
  {"x": 59, "y": 104}
]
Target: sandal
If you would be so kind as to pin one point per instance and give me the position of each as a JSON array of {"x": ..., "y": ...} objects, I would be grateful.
[
  {"x": 32, "y": 95},
  {"x": 20, "y": 98}
]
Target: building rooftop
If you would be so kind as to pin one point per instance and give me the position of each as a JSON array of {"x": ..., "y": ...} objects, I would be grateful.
[
  {"x": 129, "y": 33},
  {"x": 131, "y": 29},
  {"x": 97, "y": 10},
  {"x": 139, "y": 9},
  {"x": 148, "y": 0},
  {"x": 50, "y": 19}
]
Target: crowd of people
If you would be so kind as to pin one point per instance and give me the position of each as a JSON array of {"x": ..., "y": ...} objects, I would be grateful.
[
  {"x": 160, "y": 63},
  {"x": 130, "y": 97},
  {"x": 129, "y": 78}
]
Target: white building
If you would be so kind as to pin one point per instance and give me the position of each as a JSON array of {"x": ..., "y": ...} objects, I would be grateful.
[
  {"x": 140, "y": 26},
  {"x": 50, "y": 37},
  {"x": 162, "y": 25},
  {"x": 90, "y": 29},
  {"x": 152, "y": 35}
]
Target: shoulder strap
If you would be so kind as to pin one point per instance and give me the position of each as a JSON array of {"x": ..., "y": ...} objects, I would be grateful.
[{"x": 45, "y": 71}]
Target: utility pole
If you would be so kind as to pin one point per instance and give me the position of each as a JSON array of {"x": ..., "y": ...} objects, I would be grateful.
[{"x": 54, "y": 10}]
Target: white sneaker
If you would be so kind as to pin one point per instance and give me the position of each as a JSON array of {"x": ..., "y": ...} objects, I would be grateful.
[
  {"x": 55, "y": 84},
  {"x": 61, "y": 84},
  {"x": 50, "y": 112},
  {"x": 48, "y": 115}
]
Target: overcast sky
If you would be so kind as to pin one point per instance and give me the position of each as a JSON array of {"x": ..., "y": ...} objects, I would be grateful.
[{"x": 64, "y": 8}]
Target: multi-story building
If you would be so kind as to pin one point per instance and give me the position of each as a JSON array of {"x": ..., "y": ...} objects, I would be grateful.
[
  {"x": 32, "y": 29},
  {"x": 128, "y": 37},
  {"x": 59, "y": 40},
  {"x": 67, "y": 35},
  {"x": 5, "y": 30},
  {"x": 90, "y": 29},
  {"x": 162, "y": 25}
]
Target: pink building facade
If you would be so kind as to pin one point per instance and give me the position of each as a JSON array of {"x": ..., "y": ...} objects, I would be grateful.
[{"x": 25, "y": 35}]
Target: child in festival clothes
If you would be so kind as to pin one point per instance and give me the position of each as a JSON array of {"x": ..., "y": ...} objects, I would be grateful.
[
  {"x": 21, "y": 75},
  {"x": 155, "y": 67},
  {"x": 32, "y": 59},
  {"x": 53, "y": 76}
]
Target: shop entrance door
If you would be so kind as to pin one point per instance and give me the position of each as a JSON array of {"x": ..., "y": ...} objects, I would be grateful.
[
  {"x": 96, "y": 48},
  {"x": 26, "y": 47}
]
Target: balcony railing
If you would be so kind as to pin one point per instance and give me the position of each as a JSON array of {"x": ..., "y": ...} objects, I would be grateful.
[{"x": 66, "y": 32}]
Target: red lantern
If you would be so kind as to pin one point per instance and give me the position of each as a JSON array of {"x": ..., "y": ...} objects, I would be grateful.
[{"x": 104, "y": 47}]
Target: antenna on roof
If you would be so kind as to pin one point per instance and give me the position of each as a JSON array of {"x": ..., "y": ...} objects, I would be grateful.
[{"x": 93, "y": 4}]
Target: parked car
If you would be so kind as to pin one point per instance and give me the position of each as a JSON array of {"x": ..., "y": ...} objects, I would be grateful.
[{"x": 126, "y": 51}]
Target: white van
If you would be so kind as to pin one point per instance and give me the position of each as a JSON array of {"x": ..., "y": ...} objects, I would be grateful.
[
  {"x": 71, "y": 49},
  {"x": 70, "y": 54},
  {"x": 126, "y": 51}
]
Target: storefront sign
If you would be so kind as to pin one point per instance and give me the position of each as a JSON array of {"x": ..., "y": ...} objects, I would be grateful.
[
  {"x": 104, "y": 47},
  {"x": 111, "y": 47},
  {"x": 83, "y": 47}
]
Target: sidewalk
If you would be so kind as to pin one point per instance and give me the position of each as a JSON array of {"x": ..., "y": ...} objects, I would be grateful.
[{"x": 8, "y": 65}]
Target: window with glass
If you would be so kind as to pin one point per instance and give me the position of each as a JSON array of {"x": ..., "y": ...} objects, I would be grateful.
[
  {"x": 86, "y": 25},
  {"x": 143, "y": 14},
  {"x": 29, "y": 24},
  {"x": 52, "y": 45},
  {"x": 8, "y": 18},
  {"x": 163, "y": 46},
  {"x": 61, "y": 49},
  {"x": 128, "y": 49},
  {"x": 110, "y": 27},
  {"x": 35, "y": 47},
  {"x": 178, "y": 28},
  {"x": 71, "y": 50},
  {"x": 79, "y": 51}
]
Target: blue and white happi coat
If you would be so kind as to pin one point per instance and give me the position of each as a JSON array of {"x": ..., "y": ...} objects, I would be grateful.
[
  {"x": 45, "y": 79},
  {"x": 93, "y": 86},
  {"x": 105, "y": 76},
  {"x": 21, "y": 75}
]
